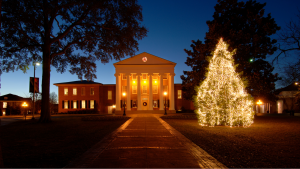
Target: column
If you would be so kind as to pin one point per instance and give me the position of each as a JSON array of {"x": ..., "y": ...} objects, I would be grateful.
[
  {"x": 161, "y": 92},
  {"x": 128, "y": 93},
  {"x": 118, "y": 91},
  {"x": 171, "y": 91},
  {"x": 139, "y": 99},
  {"x": 150, "y": 93}
]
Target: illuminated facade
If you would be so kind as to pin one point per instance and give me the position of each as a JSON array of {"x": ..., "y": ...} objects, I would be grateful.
[{"x": 142, "y": 81}]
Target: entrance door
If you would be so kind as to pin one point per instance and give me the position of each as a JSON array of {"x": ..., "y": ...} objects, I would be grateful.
[
  {"x": 280, "y": 106},
  {"x": 145, "y": 104}
]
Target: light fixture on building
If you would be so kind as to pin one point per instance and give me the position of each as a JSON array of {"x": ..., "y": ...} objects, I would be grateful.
[
  {"x": 145, "y": 81},
  {"x": 155, "y": 81},
  {"x": 259, "y": 102}
]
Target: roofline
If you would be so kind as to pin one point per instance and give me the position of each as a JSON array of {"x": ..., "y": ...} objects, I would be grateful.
[{"x": 142, "y": 64}]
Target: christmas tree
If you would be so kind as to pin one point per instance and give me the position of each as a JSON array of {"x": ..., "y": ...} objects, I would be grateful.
[{"x": 221, "y": 98}]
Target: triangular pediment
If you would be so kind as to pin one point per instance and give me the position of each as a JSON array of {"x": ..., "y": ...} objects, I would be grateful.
[{"x": 145, "y": 59}]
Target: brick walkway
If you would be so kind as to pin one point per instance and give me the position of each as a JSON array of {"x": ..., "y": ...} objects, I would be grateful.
[{"x": 145, "y": 141}]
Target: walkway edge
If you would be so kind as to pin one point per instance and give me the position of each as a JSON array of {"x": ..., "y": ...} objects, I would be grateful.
[
  {"x": 204, "y": 159},
  {"x": 90, "y": 155}
]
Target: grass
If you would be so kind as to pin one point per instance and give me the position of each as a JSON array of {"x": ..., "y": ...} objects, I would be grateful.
[
  {"x": 269, "y": 142},
  {"x": 28, "y": 144}
]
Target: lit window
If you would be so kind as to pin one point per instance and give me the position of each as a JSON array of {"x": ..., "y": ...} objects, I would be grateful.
[
  {"x": 66, "y": 105},
  {"x": 155, "y": 89},
  {"x": 109, "y": 95},
  {"x": 144, "y": 76},
  {"x": 83, "y": 104},
  {"x": 92, "y": 91},
  {"x": 65, "y": 91},
  {"x": 82, "y": 91},
  {"x": 4, "y": 105},
  {"x": 124, "y": 89},
  {"x": 165, "y": 88},
  {"x": 134, "y": 89},
  {"x": 92, "y": 105},
  {"x": 144, "y": 89},
  {"x": 179, "y": 94},
  {"x": 74, "y": 104},
  {"x": 74, "y": 91},
  {"x": 133, "y": 76},
  {"x": 124, "y": 77}
]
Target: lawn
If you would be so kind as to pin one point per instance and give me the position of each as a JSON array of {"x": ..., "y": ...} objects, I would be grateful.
[
  {"x": 28, "y": 144},
  {"x": 269, "y": 142}
]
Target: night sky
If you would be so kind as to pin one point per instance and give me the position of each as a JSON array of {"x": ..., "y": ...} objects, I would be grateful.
[{"x": 172, "y": 25}]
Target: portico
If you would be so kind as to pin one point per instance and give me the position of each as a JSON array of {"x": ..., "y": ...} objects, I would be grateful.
[{"x": 141, "y": 82}]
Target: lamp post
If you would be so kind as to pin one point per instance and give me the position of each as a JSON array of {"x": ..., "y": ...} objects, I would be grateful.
[
  {"x": 124, "y": 94},
  {"x": 25, "y": 105},
  {"x": 259, "y": 103},
  {"x": 114, "y": 107},
  {"x": 165, "y": 93},
  {"x": 36, "y": 63}
]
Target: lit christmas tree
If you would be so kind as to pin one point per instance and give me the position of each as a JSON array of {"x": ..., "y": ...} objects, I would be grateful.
[{"x": 221, "y": 98}]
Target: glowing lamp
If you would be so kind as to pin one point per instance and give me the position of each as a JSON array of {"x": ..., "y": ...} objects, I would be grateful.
[
  {"x": 124, "y": 94},
  {"x": 37, "y": 63},
  {"x": 114, "y": 106},
  {"x": 144, "y": 81},
  {"x": 24, "y": 104},
  {"x": 165, "y": 93},
  {"x": 296, "y": 83},
  {"x": 155, "y": 81},
  {"x": 133, "y": 81},
  {"x": 259, "y": 102}
]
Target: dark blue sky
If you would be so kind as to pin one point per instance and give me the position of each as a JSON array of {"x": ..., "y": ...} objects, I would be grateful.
[{"x": 172, "y": 25}]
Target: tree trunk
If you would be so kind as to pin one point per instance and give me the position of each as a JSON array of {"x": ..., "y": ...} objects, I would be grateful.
[{"x": 45, "y": 111}]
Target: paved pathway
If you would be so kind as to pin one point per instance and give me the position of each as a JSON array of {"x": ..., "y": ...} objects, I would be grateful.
[{"x": 145, "y": 141}]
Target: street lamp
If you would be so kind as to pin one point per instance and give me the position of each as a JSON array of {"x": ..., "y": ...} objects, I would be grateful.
[
  {"x": 124, "y": 94},
  {"x": 36, "y": 63},
  {"x": 259, "y": 103},
  {"x": 25, "y": 105},
  {"x": 114, "y": 106},
  {"x": 165, "y": 93}
]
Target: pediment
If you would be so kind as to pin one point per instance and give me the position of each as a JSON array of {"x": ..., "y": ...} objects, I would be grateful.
[{"x": 145, "y": 59}]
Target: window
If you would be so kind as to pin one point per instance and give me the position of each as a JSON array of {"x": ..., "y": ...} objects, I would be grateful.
[
  {"x": 124, "y": 77},
  {"x": 74, "y": 91},
  {"x": 144, "y": 89},
  {"x": 109, "y": 95},
  {"x": 4, "y": 105},
  {"x": 82, "y": 91},
  {"x": 179, "y": 94},
  {"x": 154, "y": 77},
  {"x": 66, "y": 105},
  {"x": 92, "y": 92},
  {"x": 74, "y": 104},
  {"x": 92, "y": 104},
  {"x": 124, "y": 89},
  {"x": 65, "y": 91},
  {"x": 133, "y": 76},
  {"x": 166, "y": 89},
  {"x": 144, "y": 76},
  {"x": 134, "y": 89},
  {"x": 155, "y": 89},
  {"x": 83, "y": 104},
  {"x": 165, "y": 76}
]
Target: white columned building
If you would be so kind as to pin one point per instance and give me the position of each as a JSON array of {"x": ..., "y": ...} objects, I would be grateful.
[{"x": 143, "y": 79}]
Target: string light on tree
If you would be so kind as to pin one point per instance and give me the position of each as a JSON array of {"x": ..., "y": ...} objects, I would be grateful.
[{"x": 221, "y": 98}]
